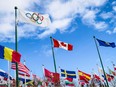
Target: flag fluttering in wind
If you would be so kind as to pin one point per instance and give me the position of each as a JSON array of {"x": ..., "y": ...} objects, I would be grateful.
[
  {"x": 42, "y": 20},
  {"x": 54, "y": 77},
  {"x": 23, "y": 77},
  {"x": 84, "y": 76},
  {"x": 4, "y": 74},
  {"x": 109, "y": 77},
  {"x": 112, "y": 72},
  {"x": 106, "y": 44},
  {"x": 100, "y": 70},
  {"x": 21, "y": 67},
  {"x": 95, "y": 76},
  {"x": 68, "y": 74},
  {"x": 9, "y": 54},
  {"x": 60, "y": 44},
  {"x": 114, "y": 67},
  {"x": 96, "y": 79},
  {"x": 69, "y": 81},
  {"x": 48, "y": 73}
]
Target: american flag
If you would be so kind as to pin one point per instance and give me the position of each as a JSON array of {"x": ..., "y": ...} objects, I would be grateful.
[{"x": 21, "y": 67}]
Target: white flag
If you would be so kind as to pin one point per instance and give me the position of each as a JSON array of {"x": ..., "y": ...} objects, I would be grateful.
[{"x": 35, "y": 18}]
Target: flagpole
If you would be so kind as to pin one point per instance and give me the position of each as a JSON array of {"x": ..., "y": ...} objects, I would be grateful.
[
  {"x": 8, "y": 74},
  {"x": 25, "y": 74},
  {"x": 101, "y": 61},
  {"x": 43, "y": 72},
  {"x": 99, "y": 74},
  {"x": 43, "y": 75},
  {"x": 78, "y": 77},
  {"x": 113, "y": 66},
  {"x": 53, "y": 55},
  {"x": 17, "y": 84}
]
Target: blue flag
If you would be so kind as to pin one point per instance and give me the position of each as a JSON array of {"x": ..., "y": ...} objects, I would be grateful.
[
  {"x": 68, "y": 74},
  {"x": 106, "y": 44}
]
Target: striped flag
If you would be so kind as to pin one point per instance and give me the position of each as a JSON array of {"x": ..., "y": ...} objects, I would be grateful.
[
  {"x": 21, "y": 75},
  {"x": 21, "y": 67},
  {"x": 9, "y": 54},
  {"x": 84, "y": 76}
]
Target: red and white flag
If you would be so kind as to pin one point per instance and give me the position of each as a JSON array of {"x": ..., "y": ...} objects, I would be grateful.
[
  {"x": 114, "y": 67},
  {"x": 21, "y": 75},
  {"x": 60, "y": 44},
  {"x": 51, "y": 76},
  {"x": 21, "y": 67},
  {"x": 48, "y": 73}
]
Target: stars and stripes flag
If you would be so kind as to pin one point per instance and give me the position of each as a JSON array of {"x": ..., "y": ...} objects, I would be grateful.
[{"x": 21, "y": 67}]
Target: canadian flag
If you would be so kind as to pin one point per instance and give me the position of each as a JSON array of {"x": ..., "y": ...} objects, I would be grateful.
[{"x": 60, "y": 44}]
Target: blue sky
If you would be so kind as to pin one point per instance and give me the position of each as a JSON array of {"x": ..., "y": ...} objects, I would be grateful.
[{"x": 73, "y": 21}]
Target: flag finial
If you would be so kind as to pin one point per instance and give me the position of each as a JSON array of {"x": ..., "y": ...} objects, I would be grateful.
[{"x": 16, "y": 7}]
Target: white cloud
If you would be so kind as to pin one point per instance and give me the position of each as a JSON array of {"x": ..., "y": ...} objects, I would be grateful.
[
  {"x": 89, "y": 19},
  {"x": 109, "y": 32},
  {"x": 114, "y": 31},
  {"x": 114, "y": 3},
  {"x": 106, "y": 15},
  {"x": 56, "y": 25},
  {"x": 100, "y": 26},
  {"x": 114, "y": 8},
  {"x": 62, "y": 14},
  {"x": 89, "y": 16}
]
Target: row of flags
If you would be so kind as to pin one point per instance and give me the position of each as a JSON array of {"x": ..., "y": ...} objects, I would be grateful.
[
  {"x": 53, "y": 77},
  {"x": 85, "y": 77}
]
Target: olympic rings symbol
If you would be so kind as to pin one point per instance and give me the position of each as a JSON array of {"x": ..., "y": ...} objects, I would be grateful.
[{"x": 35, "y": 17}]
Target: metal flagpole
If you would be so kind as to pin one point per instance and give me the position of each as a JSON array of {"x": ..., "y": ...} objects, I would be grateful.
[
  {"x": 113, "y": 66},
  {"x": 53, "y": 55},
  {"x": 8, "y": 74},
  {"x": 25, "y": 74},
  {"x": 99, "y": 74},
  {"x": 43, "y": 74},
  {"x": 17, "y": 82},
  {"x": 78, "y": 77},
  {"x": 101, "y": 61}
]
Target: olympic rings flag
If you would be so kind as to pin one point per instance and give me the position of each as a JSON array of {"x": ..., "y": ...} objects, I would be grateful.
[{"x": 35, "y": 18}]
